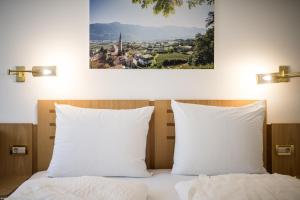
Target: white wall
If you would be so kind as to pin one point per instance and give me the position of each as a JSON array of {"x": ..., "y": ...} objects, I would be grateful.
[{"x": 251, "y": 37}]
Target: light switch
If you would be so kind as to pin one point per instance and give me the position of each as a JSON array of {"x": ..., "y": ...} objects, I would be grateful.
[
  {"x": 284, "y": 150},
  {"x": 18, "y": 150}
]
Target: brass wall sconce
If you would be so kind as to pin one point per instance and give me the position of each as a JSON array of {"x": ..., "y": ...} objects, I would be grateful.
[
  {"x": 20, "y": 71},
  {"x": 282, "y": 76}
]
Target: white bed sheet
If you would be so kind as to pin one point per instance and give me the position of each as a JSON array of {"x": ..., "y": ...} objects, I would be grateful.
[
  {"x": 161, "y": 186},
  {"x": 240, "y": 186}
]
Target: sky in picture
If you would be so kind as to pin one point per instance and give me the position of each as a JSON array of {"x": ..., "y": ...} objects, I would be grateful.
[{"x": 125, "y": 12}]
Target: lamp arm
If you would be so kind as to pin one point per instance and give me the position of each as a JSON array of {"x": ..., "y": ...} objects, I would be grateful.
[
  {"x": 295, "y": 74},
  {"x": 288, "y": 75},
  {"x": 16, "y": 71}
]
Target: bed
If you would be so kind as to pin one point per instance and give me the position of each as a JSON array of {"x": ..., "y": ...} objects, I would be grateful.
[{"x": 160, "y": 141}]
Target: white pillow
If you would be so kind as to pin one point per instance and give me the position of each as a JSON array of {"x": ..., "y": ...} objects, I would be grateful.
[
  {"x": 100, "y": 142},
  {"x": 217, "y": 140}
]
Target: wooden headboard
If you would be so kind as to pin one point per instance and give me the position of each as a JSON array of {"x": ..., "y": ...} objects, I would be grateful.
[{"x": 161, "y": 136}]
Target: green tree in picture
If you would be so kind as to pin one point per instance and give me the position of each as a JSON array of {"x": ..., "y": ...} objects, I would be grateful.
[
  {"x": 204, "y": 49},
  {"x": 167, "y": 7}
]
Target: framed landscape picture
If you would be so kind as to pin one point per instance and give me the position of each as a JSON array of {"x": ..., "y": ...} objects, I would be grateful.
[{"x": 151, "y": 34}]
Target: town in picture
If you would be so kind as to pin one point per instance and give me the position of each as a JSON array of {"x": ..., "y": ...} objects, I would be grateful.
[{"x": 151, "y": 34}]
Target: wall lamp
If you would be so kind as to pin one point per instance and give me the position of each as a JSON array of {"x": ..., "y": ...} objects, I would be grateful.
[
  {"x": 282, "y": 76},
  {"x": 20, "y": 71}
]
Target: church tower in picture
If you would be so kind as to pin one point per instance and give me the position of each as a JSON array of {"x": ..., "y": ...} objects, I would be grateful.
[{"x": 120, "y": 46}]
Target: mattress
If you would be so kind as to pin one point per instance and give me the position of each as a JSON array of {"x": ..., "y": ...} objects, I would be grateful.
[{"x": 161, "y": 186}]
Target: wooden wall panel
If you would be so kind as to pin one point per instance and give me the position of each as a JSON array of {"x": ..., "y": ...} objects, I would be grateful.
[
  {"x": 34, "y": 149},
  {"x": 15, "y": 165},
  {"x": 269, "y": 148},
  {"x": 286, "y": 134}
]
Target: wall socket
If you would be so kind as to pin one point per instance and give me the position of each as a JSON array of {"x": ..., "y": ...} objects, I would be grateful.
[{"x": 18, "y": 150}]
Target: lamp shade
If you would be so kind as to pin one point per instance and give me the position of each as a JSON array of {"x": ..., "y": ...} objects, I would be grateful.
[{"x": 44, "y": 71}]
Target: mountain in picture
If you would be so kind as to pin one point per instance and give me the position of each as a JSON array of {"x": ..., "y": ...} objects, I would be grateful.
[{"x": 111, "y": 31}]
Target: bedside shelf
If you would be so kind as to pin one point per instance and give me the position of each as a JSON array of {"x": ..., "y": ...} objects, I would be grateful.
[
  {"x": 286, "y": 135},
  {"x": 9, "y": 184},
  {"x": 14, "y": 169}
]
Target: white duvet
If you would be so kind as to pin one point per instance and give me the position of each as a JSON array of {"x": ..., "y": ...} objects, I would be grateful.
[
  {"x": 79, "y": 188},
  {"x": 240, "y": 187}
]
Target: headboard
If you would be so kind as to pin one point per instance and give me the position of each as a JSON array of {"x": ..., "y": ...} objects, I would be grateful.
[{"x": 161, "y": 136}]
